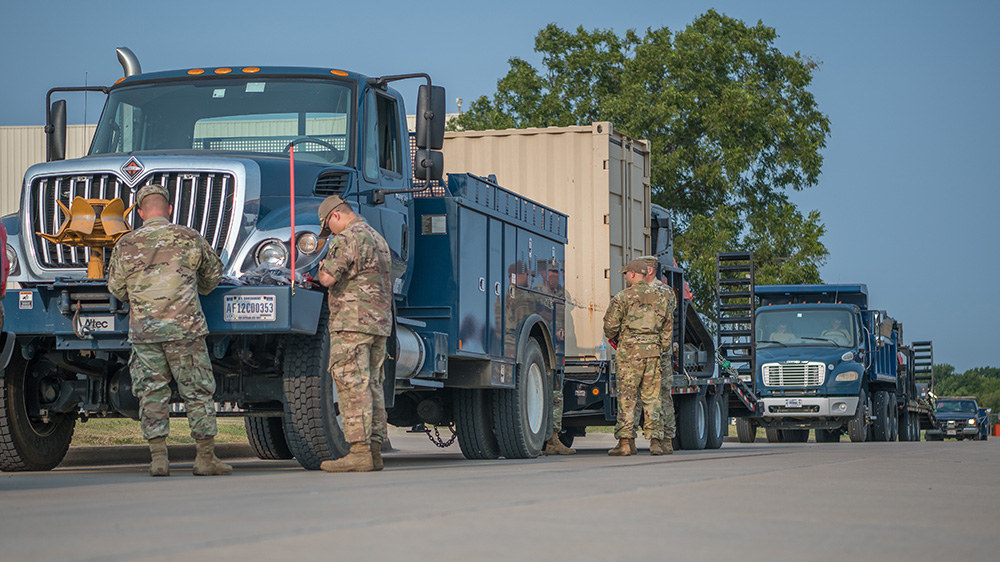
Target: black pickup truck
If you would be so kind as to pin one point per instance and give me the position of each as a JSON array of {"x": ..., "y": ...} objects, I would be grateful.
[{"x": 960, "y": 418}]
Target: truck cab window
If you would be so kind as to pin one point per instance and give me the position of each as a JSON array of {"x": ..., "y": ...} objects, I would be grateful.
[{"x": 381, "y": 137}]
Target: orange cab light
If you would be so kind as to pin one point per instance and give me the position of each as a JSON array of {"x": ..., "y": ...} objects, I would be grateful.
[
  {"x": 196, "y": 71},
  {"x": 595, "y": 392},
  {"x": 338, "y": 72},
  {"x": 223, "y": 70},
  {"x": 251, "y": 69},
  {"x": 119, "y": 81},
  {"x": 460, "y": 344}
]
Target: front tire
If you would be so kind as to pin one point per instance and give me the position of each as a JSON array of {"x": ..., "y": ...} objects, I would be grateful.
[
  {"x": 522, "y": 416},
  {"x": 746, "y": 431},
  {"x": 774, "y": 435},
  {"x": 27, "y": 443},
  {"x": 857, "y": 428},
  {"x": 267, "y": 438},
  {"x": 795, "y": 435},
  {"x": 312, "y": 424},
  {"x": 828, "y": 435}
]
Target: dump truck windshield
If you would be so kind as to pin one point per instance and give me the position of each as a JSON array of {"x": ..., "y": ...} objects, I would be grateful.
[
  {"x": 956, "y": 407},
  {"x": 262, "y": 115},
  {"x": 776, "y": 328}
]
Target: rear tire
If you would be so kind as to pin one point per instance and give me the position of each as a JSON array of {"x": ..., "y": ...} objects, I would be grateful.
[
  {"x": 522, "y": 416},
  {"x": 881, "y": 416},
  {"x": 312, "y": 425},
  {"x": 692, "y": 422},
  {"x": 716, "y": 420},
  {"x": 857, "y": 428},
  {"x": 746, "y": 431},
  {"x": 267, "y": 438},
  {"x": 26, "y": 443},
  {"x": 795, "y": 435},
  {"x": 774, "y": 435},
  {"x": 905, "y": 424},
  {"x": 474, "y": 423}
]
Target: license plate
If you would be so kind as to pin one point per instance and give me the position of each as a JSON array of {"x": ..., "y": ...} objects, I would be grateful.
[
  {"x": 793, "y": 402},
  {"x": 250, "y": 308},
  {"x": 951, "y": 432},
  {"x": 96, "y": 324}
]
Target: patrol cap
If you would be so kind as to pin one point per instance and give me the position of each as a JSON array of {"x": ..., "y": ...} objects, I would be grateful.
[
  {"x": 151, "y": 189},
  {"x": 637, "y": 266},
  {"x": 325, "y": 208},
  {"x": 650, "y": 261}
]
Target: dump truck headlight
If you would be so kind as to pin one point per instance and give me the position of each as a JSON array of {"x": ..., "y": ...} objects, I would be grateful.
[
  {"x": 847, "y": 376},
  {"x": 12, "y": 259},
  {"x": 272, "y": 253}
]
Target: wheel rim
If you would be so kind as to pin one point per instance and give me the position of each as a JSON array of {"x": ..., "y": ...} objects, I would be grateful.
[
  {"x": 535, "y": 403},
  {"x": 38, "y": 427},
  {"x": 717, "y": 414},
  {"x": 701, "y": 418}
]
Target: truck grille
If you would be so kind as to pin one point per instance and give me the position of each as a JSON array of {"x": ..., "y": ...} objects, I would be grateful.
[
  {"x": 794, "y": 374},
  {"x": 201, "y": 200}
]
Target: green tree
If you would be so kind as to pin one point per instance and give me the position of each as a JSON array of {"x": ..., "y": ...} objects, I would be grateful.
[
  {"x": 981, "y": 382},
  {"x": 732, "y": 125}
]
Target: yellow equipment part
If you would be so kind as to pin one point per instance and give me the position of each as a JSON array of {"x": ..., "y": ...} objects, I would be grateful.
[{"x": 83, "y": 228}]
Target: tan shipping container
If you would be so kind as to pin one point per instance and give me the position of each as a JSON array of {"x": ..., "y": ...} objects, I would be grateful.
[{"x": 596, "y": 175}]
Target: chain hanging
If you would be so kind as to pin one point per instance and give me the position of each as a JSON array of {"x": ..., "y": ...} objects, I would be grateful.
[{"x": 438, "y": 440}]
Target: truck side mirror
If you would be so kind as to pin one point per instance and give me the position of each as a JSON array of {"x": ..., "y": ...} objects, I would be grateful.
[
  {"x": 430, "y": 117},
  {"x": 428, "y": 165},
  {"x": 55, "y": 132}
]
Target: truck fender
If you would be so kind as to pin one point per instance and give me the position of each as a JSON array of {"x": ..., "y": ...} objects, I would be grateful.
[
  {"x": 7, "y": 340},
  {"x": 524, "y": 332}
]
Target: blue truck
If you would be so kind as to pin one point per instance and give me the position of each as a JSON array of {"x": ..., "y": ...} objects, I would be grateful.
[
  {"x": 476, "y": 268},
  {"x": 959, "y": 417},
  {"x": 819, "y": 357}
]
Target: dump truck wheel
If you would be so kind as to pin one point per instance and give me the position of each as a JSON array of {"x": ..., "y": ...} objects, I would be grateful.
[
  {"x": 692, "y": 425},
  {"x": 795, "y": 435},
  {"x": 267, "y": 438},
  {"x": 522, "y": 416},
  {"x": 312, "y": 424},
  {"x": 857, "y": 428},
  {"x": 774, "y": 435},
  {"x": 474, "y": 423},
  {"x": 828, "y": 435},
  {"x": 716, "y": 419},
  {"x": 746, "y": 431},
  {"x": 881, "y": 422},
  {"x": 26, "y": 443}
]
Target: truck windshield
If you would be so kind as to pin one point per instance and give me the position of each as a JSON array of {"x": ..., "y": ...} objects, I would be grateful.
[
  {"x": 777, "y": 328},
  {"x": 241, "y": 115},
  {"x": 956, "y": 407}
]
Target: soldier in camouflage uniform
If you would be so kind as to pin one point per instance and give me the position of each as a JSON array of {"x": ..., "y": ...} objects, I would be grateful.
[
  {"x": 356, "y": 273},
  {"x": 666, "y": 358},
  {"x": 159, "y": 269},
  {"x": 635, "y": 318}
]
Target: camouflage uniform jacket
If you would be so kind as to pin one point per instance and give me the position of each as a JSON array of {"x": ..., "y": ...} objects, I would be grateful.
[
  {"x": 636, "y": 317},
  {"x": 668, "y": 327},
  {"x": 159, "y": 269},
  {"x": 361, "y": 294}
]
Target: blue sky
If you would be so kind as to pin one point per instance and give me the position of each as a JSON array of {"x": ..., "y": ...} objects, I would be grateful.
[{"x": 908, "y": 194}]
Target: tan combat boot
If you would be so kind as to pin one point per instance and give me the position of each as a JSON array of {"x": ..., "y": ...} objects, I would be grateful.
[
  {"x": 656, "y": 447},
  {"x": 376, "y": 449},
  {"x": 358, "y": 460},
  {"x": 621, "y": 450},
  {"x": 159, "y": 465},
  {"x": 631, "y": 447},
  {"x": 205, "y": 462},
  {"x": 555, "y": 447},
  {"x": 667, "y": 446}
]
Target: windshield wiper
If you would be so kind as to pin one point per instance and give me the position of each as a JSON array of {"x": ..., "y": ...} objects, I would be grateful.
[
  {"x": 771, "y": 341},
  {"x": 821, "y": 339}
]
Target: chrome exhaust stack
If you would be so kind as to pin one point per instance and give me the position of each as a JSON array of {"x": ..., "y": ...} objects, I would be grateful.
[{"x": 129, "y": 62}]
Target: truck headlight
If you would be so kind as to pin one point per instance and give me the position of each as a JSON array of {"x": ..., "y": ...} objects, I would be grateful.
[
  {"x": 272, "y": 253},
  {"x": 847, "y": 376},
  {"x": 308, "y": 243},
  {"x": 12, "y": 259},
  {"x": 972, "y": 421}
]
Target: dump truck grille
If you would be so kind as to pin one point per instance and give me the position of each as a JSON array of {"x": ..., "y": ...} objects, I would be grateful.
[
  {"x": 201, "y": 200},
  {"x": 794, "y": 374}
]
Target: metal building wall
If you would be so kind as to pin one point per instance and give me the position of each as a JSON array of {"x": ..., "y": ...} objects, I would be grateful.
[
  {"x": 596, "y": 175},
  {"x": 23, "y": 147}
]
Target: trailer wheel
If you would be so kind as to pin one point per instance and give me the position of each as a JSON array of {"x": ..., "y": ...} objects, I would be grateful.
[
  {"x": 915, "y": 426},
  {"x": 881, "y": 416},
  {"x": 474, "y": 423},
  {"x": 522, "y": 416},
  {"x": 857, "y": 428},
  {"x": 716, "y": 420},
  {"x": 692, "y": 425},
  {"x": 905, "y": 423},
  {"x": 795, "y": 435},
  {"x": 774, "y": 435},
  {"x": 746, "y": 431},
  {"x": 828, "y": 435},
  {"x": 312, "y": 423},
  {"x": 27, "y": 443},
  {"x": 267, "y": 438}
]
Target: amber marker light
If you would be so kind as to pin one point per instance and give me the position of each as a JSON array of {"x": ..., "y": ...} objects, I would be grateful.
[
  {"x": 595, "y": 392},
  {"x": 251, "y": 69},
  {"x": 196, "y": 71},
  {"x": 338, "y": 73},
  {"x": 120, "y": 80},
  {"x": 223, "y": 70}
]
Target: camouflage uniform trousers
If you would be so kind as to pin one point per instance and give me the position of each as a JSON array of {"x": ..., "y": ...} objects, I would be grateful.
[
  {"x": 153, "y": 365},
  {"x": 356, "y": 364},
  {"x": 638, "y": 379},
  {"x": 666, "y": 401},
  {"x": 557, "y": 405}
]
